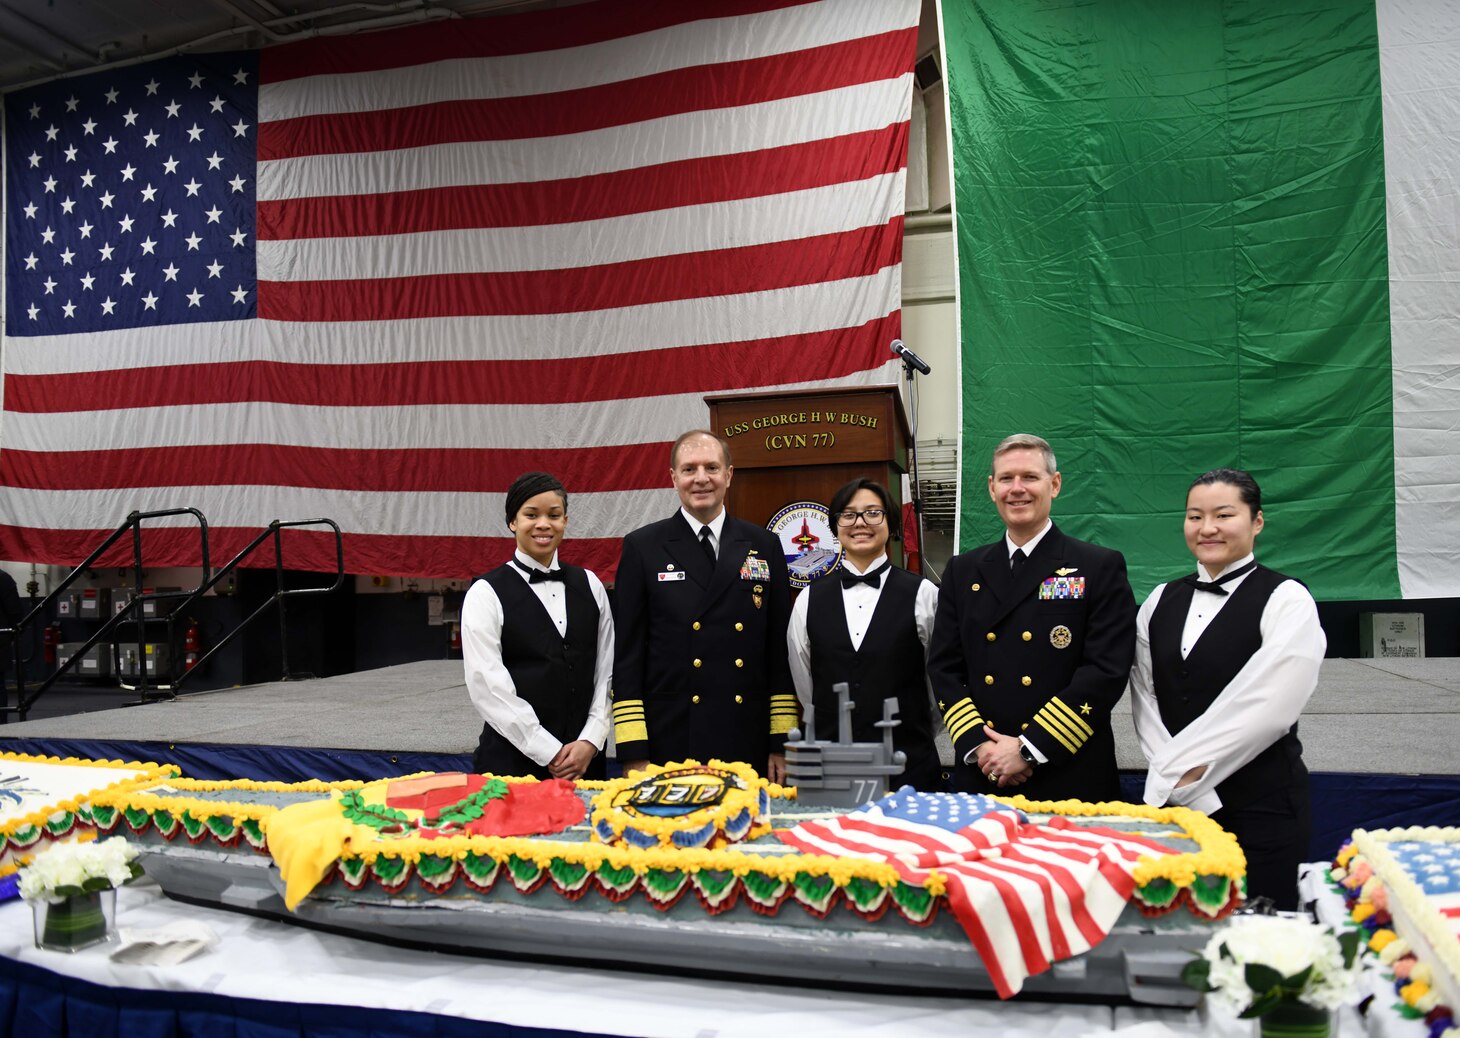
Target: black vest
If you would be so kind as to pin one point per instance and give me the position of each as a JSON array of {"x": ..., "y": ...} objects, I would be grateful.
[
  {"x": 889, "y": 663},
  {"x": 552, "y": 673},
  {"x": 1185, "y": 688}
]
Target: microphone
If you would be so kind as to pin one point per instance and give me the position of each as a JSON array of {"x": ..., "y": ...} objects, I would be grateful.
[{"x": 910, "y": 358}]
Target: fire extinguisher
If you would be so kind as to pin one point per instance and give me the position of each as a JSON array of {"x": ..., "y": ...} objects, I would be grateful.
[
  {"x": 50, "y": 638},
  {"x": 192, "y": 645},
  {"x": 456, "y": 637}
]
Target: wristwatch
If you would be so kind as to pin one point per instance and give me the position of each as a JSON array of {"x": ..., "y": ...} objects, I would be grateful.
[{"x": 1027, "y": 755}]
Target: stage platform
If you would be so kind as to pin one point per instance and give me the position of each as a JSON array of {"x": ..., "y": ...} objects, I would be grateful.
[
  {"x": 1367, "y": 716},
  {"x": 1379, "y": 735}
]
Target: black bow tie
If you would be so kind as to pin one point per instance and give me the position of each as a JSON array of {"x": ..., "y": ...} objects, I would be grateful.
[
  {"x": 1215, "y": 586},
  {"x": 537, "y": 576},
  {"x": 872, "y": 579}
]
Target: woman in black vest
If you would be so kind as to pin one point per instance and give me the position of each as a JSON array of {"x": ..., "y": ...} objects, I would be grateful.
[
  {"x": 1225, "y": 661},
  {"x": 537, "y": 640},
  {"x": 868, "y": 625}
]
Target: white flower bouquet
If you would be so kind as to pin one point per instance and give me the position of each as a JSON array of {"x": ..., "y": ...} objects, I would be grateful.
[
  {"x": 1280, "y": 967},
  {"x": 69, "y": 869}
]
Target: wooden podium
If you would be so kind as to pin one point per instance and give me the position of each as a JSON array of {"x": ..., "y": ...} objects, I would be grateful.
[{"x": 803, "y": 445}]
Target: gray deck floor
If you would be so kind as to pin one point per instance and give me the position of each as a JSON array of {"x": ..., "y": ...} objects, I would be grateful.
[{"x": 1367, "y": 716}]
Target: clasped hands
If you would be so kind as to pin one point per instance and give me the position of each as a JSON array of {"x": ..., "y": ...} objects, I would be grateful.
[
  {"x": 999, "y": 759},
  {"x": 572, "y": 760}
]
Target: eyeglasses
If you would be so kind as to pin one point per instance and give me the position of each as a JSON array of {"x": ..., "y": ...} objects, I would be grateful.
[{"x": 872, "y": 517}]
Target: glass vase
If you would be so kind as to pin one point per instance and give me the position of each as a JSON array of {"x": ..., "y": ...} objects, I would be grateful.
[
  {"x": 75, "y": 922},
  {"x": 1297, "y": 1020}
]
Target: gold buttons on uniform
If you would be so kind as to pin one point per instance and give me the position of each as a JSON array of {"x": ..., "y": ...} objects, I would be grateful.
[
  {"x": 696, "y": 625},
  {"x": 1024, "y": 727},
  {"x": 694, "y": 699},
  {"x": 1026, "y": 681},
  {"x": 740, "y": 627},
  {"x": 973, "y": 587},
  {"x": 699, "y": 663},
  {"x": 739, "y": 699},
  {"x": 739, "y": 663},
  {"x": 1026, "y": 636},
  {"x": 991, "y": 636},
  {"x": 988, "y": 679}
]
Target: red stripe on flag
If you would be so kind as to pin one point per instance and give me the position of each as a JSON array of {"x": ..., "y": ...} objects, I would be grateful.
[
  {"x": 434, "y": 470},
  {"x": 451, "y": 558},
  {"x": 973, "y": 927},
  {"x": 527, "y": 33},
  {"x": 718, "y": 178},
  {"x": 1073, "y": 890},
  {"x": 676, "y": 92},
  {"x": 709, "y": 368},
  {"x": 755, "y": 268}
]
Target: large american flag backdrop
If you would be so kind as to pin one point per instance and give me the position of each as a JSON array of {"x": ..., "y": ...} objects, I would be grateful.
[{"x": 375, "y": 278}]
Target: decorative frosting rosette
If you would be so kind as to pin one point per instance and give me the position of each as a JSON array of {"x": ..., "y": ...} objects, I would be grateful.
[{"x": 685, "y": 805}]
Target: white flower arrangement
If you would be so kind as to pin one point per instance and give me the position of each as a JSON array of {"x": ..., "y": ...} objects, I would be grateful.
[
  {"x": 1257, "y": 963},
  {"x": 67, "y": 869}
]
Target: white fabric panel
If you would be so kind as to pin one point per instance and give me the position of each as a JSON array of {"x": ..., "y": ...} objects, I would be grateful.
[
  {"x": 263, "y": 959},
  {"x": 685, "y": 230},
  {"x": 752, "y": 36},
  {"x": 771, "y": 124},
  {"x": 1419, "y": 43},
  {"x": 849, "y": 303}
]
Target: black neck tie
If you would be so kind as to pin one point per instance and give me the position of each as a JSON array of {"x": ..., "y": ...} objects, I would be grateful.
[
  {"x": 873, "y": 579},
  {"x": 1215, "y": 586},
  {"x": 1017, "y": 560},
  {"x": 537, "y": 576},
  {"x": 705, "y": 534}
]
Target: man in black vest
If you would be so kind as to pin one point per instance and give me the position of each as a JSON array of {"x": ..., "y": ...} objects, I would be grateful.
[
  {"x": 701, "y": 601},
  {"x": 1032, "y": 645}
]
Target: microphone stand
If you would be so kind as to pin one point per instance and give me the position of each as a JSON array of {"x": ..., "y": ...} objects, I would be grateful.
[{"x": 917, "y": 491}]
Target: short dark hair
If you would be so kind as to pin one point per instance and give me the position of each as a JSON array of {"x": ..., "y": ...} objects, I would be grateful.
[
  {"x": 847, "y": 491},
  {"x": 1247, "y": 487},
  {"x": 527, "y": 486},
  {"x": 692, "y": 434}
]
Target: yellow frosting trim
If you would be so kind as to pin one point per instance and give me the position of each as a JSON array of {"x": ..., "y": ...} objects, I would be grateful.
[
  {"x": 1220, "y": 854},
  {"x": 149, "y": 772},
  {"x": 734, "y": 802}
]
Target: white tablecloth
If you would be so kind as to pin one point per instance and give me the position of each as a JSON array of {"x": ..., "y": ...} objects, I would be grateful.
[{"x": 260, "y": 959}]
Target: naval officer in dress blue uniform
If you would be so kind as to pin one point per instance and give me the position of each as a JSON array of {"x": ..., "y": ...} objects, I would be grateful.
[
  {"x": 1226, "y": 659},
  {"x": 1033, "y": 644},
  {"x": 701, "y": 601},
  {"x": 869, "y": 625},
  {"x": 537, "y": 641}
]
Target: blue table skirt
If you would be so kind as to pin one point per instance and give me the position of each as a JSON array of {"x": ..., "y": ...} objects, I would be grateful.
[{"x": 36, "y": 1003}]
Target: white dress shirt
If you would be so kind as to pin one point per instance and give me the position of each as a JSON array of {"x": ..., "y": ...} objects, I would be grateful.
[
  {"x": 1250, "y": 714},
  {"x": 859, "y": 602},
  {"x": 490, "y": 685},
  {"x": 716, "y": 525}
]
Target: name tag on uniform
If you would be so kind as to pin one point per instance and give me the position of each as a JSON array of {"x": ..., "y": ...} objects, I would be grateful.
[
  {"x": 1055, "y": 588},
  {"x": 677, "y": 574}
]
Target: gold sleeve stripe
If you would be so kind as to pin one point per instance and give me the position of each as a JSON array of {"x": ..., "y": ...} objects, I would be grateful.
[
  {"x": 785, "y": 712},
  {"x": 628, "y": 707},
  {"x": 1080, "y": 723},
  {"x": 630, "y": 731},
  {"x": 961, "y": 719},
  {"x": 1054, "y": 719},
  {"x": 1052, "y": 725}
]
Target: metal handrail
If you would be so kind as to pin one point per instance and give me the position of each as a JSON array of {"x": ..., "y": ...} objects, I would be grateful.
[
  {"x": 134, "y": 524},
  {"x": 279, "y": 597}
]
